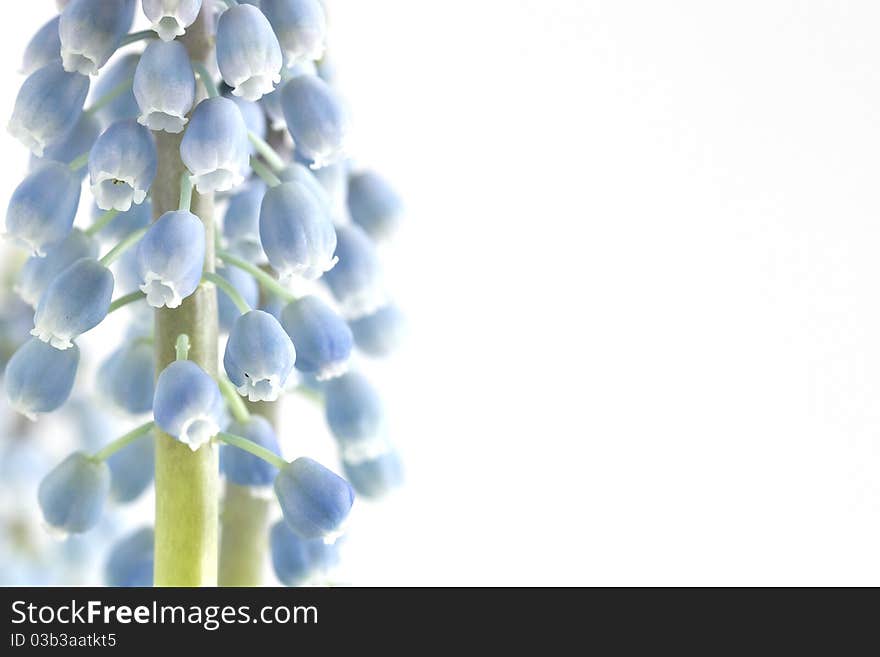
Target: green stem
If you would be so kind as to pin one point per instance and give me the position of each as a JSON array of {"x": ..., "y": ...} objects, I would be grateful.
[
  {"x": 265, "y": 173},
  {"x": 111, "y": 95},
  {"x": 108, "y": 450},
  {"x": 79, "y": 162},
  {"x": 127, "y": 299},
  {"x": 233, "y": 400},
  {"x": 230, "y": 291},
  {"x": 113, "y": 254},
  {"x": 181, "y": 347},
  {"x": 101, "y": 222},
  {"x": 251, "y": 447},
  {"x": 262, "y": 277},
  {"x": 244, "y": 536},
  {"x": 206, "y": 79},
  {"x": 137, "y": 36},
  {"x": 272, "y": 158},
  {"x": 186, "y": 192}
]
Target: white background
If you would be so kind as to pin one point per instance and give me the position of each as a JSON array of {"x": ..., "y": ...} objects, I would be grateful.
[{"x": 642, "y": 270}]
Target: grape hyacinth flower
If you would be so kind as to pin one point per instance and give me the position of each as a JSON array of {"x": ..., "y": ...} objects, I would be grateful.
[
  {"x": 297, "y": 235},
  {"x": 215, "y": 146},
  {"x": 48, "y": 104},
  {"x": 246, "y": 285},
  {"x": 125, "y": 379},
  {"x": 316, "y": 118},
  {"x": 374, "y": 205},
  {"x": 124, "y": 223},
  {"x": 170, "y": 257},
  {"x": 314, "y": 500},
  {"x": 170, "y": 18},
  {"x": 44, "y": 47},
  {"x": 131, "y": 469},
  {"x": 248, "y": 54},
  {"x": 241, "y": 223},
  {"x": 37, "y": 272},
  {"x": 91, "y": 31},
  {"x": 122, "y": 165},
  {"x": 321, "y": 337},
  {"x": 78, "y": 140},
  {"x": 39, "y": 377},
  {"x": 42, "y": 208},
  {"x": 164, "y": 86},
  {"x": 259, "y": 356},
  {"x": 356, "y": 280},
  {"x": 130, "y": 563},
  {"x": 296, "y": 560},
  {"x": 72, "y": 495},
  {"x": 296, "y": 172},
  {"x": 353, "y": 410},
  {"x": 245, "y": 469},
  {"x": 187, "y": 404},
  {"x": 379, "y": 333},
  {"x": 374, "y": 477},
  {"x": 123, "y": 106},
  {"x": 301, "y": 27}
]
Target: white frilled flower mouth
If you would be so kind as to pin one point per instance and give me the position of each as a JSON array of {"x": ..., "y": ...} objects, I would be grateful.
[
  {"x": 169, "y": 27},
  {"x": 78, "y": 62},
  {"x": 60, "y": 342},
  {"x": 365, "y": 450},
  {"x": 363, "y": 302},
  {"x": 332, "y": 370},
  {"x": 158, "y": 120},
  {"x": 266, "y": 389},
  {"x": 35, "y": 143},
  {"x": 220, "y": 179},
  {"x": 112, "y": 192},
  {"x": 25, "y": 243},
  {"x": 312, "y": 271},
  {"x": 161, "y": 293},
  {"x": 198, "y": 431},
  {"x": 256, "y": 86}
]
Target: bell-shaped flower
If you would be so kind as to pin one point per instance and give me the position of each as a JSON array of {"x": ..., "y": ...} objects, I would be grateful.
[
  {"x": 317, "y": 119},
  {"x": 44, "y": 47},
  {"x": 296, "y": 560},
  {"x": 187, "y": 404},
  {"x": 215, "y": 146},
  {"x": 296, "y": 172},
  {"x": 130, "y": 562},
  {"x": 39, "y": 378},
  {"x": 353, "y": 410},
  {"x": 78, "y": 140},
  {"x": 356, "y": 280},
  {"x": 246, "y": 285},
  {"x": 48, "y": 104},
  {"x": 164, "y": 86},
  {"x": 259, "y": 356},
  {"x": 170, "y": 18},
  {"x": 122, "y": 165},
  {"x": 132, "y": 469},
  {"x": 91, "y": 31},
  {"x": 321, "y": 337},
  {"x": 124, "y": 105},
  {"x": 379, "y": 333},
  {"x": 37, "y": 272},
  {"x": 301, "y": 27},
  {"x": 171, "y": 257},
  {"x": 125, "y": 378},
  {"x": 374, "y": 205},
  {"x": 72, "y": 495},
  {"x": 243, "y": 468},
  {"x": 241, "y": 223},
  {"x": 42, "y": 208},
  {"x": 296, "y": 232},
  {"x": 314, "y": 500},
  {"x": 248, "y": 54},
  {"x": 77, "y": 300},
  {"x": 374, "y": 477}
]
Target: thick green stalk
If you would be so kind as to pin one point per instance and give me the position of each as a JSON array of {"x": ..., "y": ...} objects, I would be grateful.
[{"x": 187, "y": 482}]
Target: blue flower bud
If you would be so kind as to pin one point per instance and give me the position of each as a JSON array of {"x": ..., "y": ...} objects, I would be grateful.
[
  {"x": 375, "y": 477},
  {"x": 76, "y": 301},
  {"x": 132, "y": 469},
  {"x": 248, "y": 54},
  {"x": 215, "y": 146},
  {"x": 48, "y": 104},
  {"x": 44, "y": 47},
  {"x": 130, "y": 563},
  {"x": 122, "y": 165},
  {"x": 314, "y": 500},
  {"x": 91, "y": 31},
  {"x": 241, "y": 224},
  {"x": 316, "y": 118},
  {"x": 353, "y": 410},
  {"x": 125, "y": 378},
  {"x": 39, "y": 378},
  {"x": 171, "y": 256},
  {"x": 246, "y": 469},
  {"x": 170, "y": 18},
  {"x": 301, "y": 28},
  {"x": 125, "y": 105},
  {"x": 296, "y": 233},
  {"x": 42, "y": 208},
  {"x": 37, "y": 272},
  {"x": 72, "y": 495},
  {"x": 164, "y": 86},
  {"x": 374, "y": 205},
  {"x": 253, "y": 116},
  {"x": 78, "y": 140},
  {"x": 259, "y": 356},
  {"x": 125, "y": 223},
  {"x": 290, "y": 555},
  {"x": 322, "y": 339},
  {"x": 356, "y": 280},
  {"x": 246, "y": 285},
  {"x": 381, "y": 332},
  {"x": 296, "y": 172},
  {"x": 187, "y": 404}
]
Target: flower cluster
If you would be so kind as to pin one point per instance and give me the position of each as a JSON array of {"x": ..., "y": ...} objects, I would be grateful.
[{"x": 296, "y": 267}]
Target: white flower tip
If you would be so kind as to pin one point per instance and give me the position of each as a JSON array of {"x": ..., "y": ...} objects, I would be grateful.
[
  {"x": 162, "y": 121},
  {"x": 56, "y": 533},
  {"x": 29, "y": 140},
  {"x": 267, "y": 389},
  {"x": 256, "y": 86},
  {"x": 168, "y": 27},
  {"x": 78, "y": 62},
  {"x": 218, "y": 180},
  {"x": 60, "y": 342},
  {"x": 332, "y": 370},
  {"x": 161, "y": 293},
  {"x": 198, "y": 431}
]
